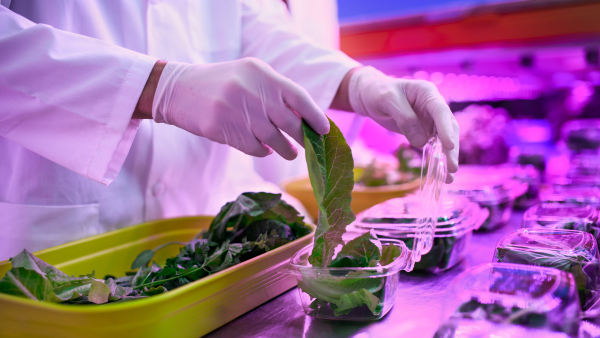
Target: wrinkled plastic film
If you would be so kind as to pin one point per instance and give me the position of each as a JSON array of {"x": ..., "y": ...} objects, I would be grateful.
[{"x": 433, "y": 176}]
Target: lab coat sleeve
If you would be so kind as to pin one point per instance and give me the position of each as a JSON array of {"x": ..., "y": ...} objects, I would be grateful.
[
  {"x": 268, "y": 34},
  {"x": 69, "y": 98}
]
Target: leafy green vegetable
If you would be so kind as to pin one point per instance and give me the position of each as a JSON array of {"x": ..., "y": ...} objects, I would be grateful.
[
  {"x": 389, "y": 253},
  {"x": 143, "y": 259},
  {"x": 362, "y": 251},
  {"x": 251, "y": 225},
  {"x": 35, "y": 279},
  {"x": 330, "y": 167},
  {"x": 28, "y": 283}
]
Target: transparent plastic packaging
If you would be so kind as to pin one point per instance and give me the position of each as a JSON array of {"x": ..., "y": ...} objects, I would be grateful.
[
  {"x": 530, "y": 175},
  {"x": 581, "y": 195},
  {"x": 511, "y": 300},
  {"x": 569, "y": 216},
  {"x": 493, "y": 188},
  {"x": 582, "y": 135},
  {"x": 584, "y": 165},
  {"x": 457, "y": 219},
  {"x": 362, "y": 294},
  {"x": 571, "y": 251},
  {"x": 328, "y": 292}
]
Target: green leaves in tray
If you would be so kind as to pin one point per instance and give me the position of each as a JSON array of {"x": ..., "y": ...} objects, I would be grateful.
[
  {"x": 330, "y": 167},
  {"x": 35, "y": 279},
  {"x": 249, "y": 226}
]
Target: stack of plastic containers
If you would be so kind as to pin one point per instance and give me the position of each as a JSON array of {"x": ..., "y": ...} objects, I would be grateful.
[
  {"x": 511, "y": 300},
  {"x": 368, "y": 293},
  {"x": 397, "y": 219},
  {"x": 493, "y": 188},
  {"x": 571, "y": 251}
]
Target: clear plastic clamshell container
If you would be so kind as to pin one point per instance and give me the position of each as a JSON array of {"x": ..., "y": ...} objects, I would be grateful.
[
  {"x": 368, "y": 293},
  {"x": 334, "y": 293},
  {"x": 572, "y": 251},
  {"x": 569, "y": 216},
  {"x": 582, "y": 135},
  {"x": 511, "y": 300},
  {"x": 572, "y": 194},
  {"x": 457, "y": 219},
  {"x": 493, "y": 187}
]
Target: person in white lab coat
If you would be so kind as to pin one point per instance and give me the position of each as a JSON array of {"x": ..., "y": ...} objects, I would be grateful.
[{"x": 160, "y": 92}]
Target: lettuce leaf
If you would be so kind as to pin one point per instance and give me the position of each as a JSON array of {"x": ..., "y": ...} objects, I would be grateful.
[
  {"x": 363, "y": 251},
  {"x": 330, "y": 167}
]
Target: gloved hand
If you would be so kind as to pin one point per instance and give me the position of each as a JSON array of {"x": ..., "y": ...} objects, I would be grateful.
[
  {"x": 409, "y": 107},
  {"x": 241, "y": 103}
]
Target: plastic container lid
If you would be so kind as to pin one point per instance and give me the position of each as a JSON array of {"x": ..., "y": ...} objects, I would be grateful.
[
  {"x": 487, "y": 184},
  {"x": 567, "y": 242},
  {"x": 481, "y": 293},
  {"x": 395, "y": 218},
  {"x": 433, "y": 176},
  {"x": 403, "y": 211},
  {"x": 555, "y": 212},
  {"x": 586, "y": 195}
]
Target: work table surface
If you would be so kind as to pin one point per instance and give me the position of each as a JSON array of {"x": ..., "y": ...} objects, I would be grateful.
[{"x": 416, "y": 312}]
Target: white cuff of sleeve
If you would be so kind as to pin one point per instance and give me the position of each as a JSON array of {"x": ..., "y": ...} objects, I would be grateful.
[{"x": 120, "y": 130}]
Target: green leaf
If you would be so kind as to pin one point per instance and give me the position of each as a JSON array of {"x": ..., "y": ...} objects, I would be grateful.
[
  {"x": 356, "y": 299},
  {"x": 28, "y": 261},
  {"x": 330, "y": 167},
  {"x": 389, "y": 253},
  {"x": 365, "y": 249},
  {"x": 143, "y": 259},
  {"x": 288, "y": 212},
  {"x": 255, "y": 229},
  {"x": 28, "y": 283},
  {"x": 117, "y": 292},
  {"x": 330, "y": 289},
  {"x": 231, "y": 215},
  {"x": 99, "y": 292},
  {"x": 154, "y": 291}
]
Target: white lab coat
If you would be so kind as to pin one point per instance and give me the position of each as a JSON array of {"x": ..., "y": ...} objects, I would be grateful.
[{"x": 73, "y": 163}]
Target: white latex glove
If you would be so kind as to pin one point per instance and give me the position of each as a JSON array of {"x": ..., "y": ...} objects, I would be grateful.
[
  {"x": 241, "y": 103},
  {"x": 408, "y": 107}
]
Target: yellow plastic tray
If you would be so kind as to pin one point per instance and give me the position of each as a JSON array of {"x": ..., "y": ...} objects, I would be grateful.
[
  {"x": 192, "y": 310},
  {"x": 362, "y": 197}
]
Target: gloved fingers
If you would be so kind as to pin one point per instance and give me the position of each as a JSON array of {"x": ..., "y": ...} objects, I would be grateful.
[
  {"x": 452, "y": 154},
  {"x": 298, "y": 99},
  {"x": 250, "y": 145},
  {"x": 400, "y": 110},
  {"x": 288, "y": 121},
  {"x": 272, "y": 137},
  {"x": 436, "y": 107},
  {"x": 388, "y": 123}
]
